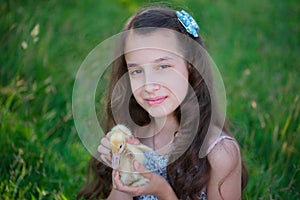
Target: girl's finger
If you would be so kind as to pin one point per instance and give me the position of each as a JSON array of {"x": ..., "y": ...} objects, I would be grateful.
[
  {"x": 108, "y": 135},
  {"x": 133, "y": 191},
  {"x": 103, "y": 150},
  {"x": 142, "y": 170},
  {"x": 117, "y": 179},
  {"x": 105, "y": 142},
  {"x": 118, "y": 183},
  {"x": 133, "y": 140},
  {"x": 113, "y": 179},
  {"x": 106, "y": 160}
]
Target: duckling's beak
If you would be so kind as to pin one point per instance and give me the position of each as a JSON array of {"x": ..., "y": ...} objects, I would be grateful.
[{"x": 115, "y": 163}]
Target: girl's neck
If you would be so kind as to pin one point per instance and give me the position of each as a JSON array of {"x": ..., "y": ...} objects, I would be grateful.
[
  {"x": 165, "y": 125},
  {"x": 160, "y": 132}
]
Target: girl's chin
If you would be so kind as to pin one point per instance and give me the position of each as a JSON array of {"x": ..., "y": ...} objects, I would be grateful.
[{"x": 159, "y": 111}]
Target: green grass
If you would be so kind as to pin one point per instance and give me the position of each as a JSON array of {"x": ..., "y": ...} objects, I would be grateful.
[{"x": 254, "y": 43}]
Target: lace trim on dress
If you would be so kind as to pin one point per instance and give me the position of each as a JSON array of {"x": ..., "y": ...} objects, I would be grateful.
[{"x": 210, "y": 148}]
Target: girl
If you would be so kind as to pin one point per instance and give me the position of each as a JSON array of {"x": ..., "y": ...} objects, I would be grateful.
[{"x": 161, "y": 87}]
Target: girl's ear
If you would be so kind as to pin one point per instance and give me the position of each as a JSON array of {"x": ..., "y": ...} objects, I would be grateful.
[{"x": 189, "y": 67}]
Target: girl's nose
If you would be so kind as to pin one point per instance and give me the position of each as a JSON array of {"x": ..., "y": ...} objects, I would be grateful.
[
  {"x": 151, "y": 83},
  {"x": 151, "y": 87}
]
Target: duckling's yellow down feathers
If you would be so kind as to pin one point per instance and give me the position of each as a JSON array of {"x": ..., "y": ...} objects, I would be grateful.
[{"x": 123, "y": 155}]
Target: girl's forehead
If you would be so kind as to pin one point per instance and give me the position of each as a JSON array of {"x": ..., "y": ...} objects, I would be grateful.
[
  {"x": 150, "y": 55},
  {"x": 163, "y": 40}
]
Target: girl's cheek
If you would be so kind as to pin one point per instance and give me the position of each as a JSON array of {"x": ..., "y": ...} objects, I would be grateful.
[
  {"x": 178, "y": 88},
  {"x": 175, "y": 82},
  {"x": 136, "y": 85}
]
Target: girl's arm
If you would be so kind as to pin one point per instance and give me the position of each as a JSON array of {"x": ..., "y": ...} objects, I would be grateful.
[
  {"x": 226, "y": 170},
  {"x": 115, "y": 194}
]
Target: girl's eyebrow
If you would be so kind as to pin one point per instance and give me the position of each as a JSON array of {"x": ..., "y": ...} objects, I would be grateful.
[
  {"x": 154, "y": 61},
  {"x": 132, "y": 65},
  {"x": 162, "y": 59}
]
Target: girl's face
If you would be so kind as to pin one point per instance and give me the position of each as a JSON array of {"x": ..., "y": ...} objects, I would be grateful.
[{"x": 158, "y": 76}]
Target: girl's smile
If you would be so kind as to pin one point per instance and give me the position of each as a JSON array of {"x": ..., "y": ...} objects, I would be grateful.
[{"x": 156, "y": 100}]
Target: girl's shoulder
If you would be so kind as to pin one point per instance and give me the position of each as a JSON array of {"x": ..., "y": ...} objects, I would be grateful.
[
  {"x": 224, "y": 151},
  {"x": 226, "y": 168}
]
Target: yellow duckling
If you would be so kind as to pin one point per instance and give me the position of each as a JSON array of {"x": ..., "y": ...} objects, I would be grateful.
[{"x": 123, "y": 155}]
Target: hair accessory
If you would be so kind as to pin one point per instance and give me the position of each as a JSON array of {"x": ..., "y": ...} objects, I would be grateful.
[{"x": 188, "y": 22}]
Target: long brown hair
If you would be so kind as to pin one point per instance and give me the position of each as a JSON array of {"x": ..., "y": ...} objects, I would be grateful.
[{"x": 188, "y": 173}]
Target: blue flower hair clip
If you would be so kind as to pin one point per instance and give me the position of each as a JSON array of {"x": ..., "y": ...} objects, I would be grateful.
[{"x": 188, "y": 22}]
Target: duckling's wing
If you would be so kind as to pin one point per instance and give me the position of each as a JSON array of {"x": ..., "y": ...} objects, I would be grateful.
[
  {"x": 143, "y": 147},
  {"x": 138, "y": 148}
]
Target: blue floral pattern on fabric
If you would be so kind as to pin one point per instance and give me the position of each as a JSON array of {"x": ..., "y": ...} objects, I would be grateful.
[{"x": 158, "y": 164}]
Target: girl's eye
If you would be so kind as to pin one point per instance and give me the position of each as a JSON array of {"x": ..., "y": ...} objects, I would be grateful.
[
  {"x": 163, "y": 66},
  {"x": 135, "y": 72}
]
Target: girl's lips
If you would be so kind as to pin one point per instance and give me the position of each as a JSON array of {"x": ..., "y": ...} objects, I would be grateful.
[{"x": 156, "y": 100}]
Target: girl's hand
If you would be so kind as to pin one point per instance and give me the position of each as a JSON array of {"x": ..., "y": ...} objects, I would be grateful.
[
  {"x": 157, "y": 185},
  {"x": 105, "y": 150}
]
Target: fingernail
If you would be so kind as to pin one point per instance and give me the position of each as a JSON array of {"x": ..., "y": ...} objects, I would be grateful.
[{"x": 136, "y": 164}]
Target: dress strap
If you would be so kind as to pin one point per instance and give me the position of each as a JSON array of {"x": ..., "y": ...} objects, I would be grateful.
[{"x": 210, "y": 148}]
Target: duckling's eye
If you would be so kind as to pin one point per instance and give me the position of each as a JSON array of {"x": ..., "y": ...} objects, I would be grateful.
[{"x": 121, "y": 146}]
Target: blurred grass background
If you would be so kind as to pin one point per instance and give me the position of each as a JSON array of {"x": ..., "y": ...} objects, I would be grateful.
[{"x": 254, "y": 43}]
